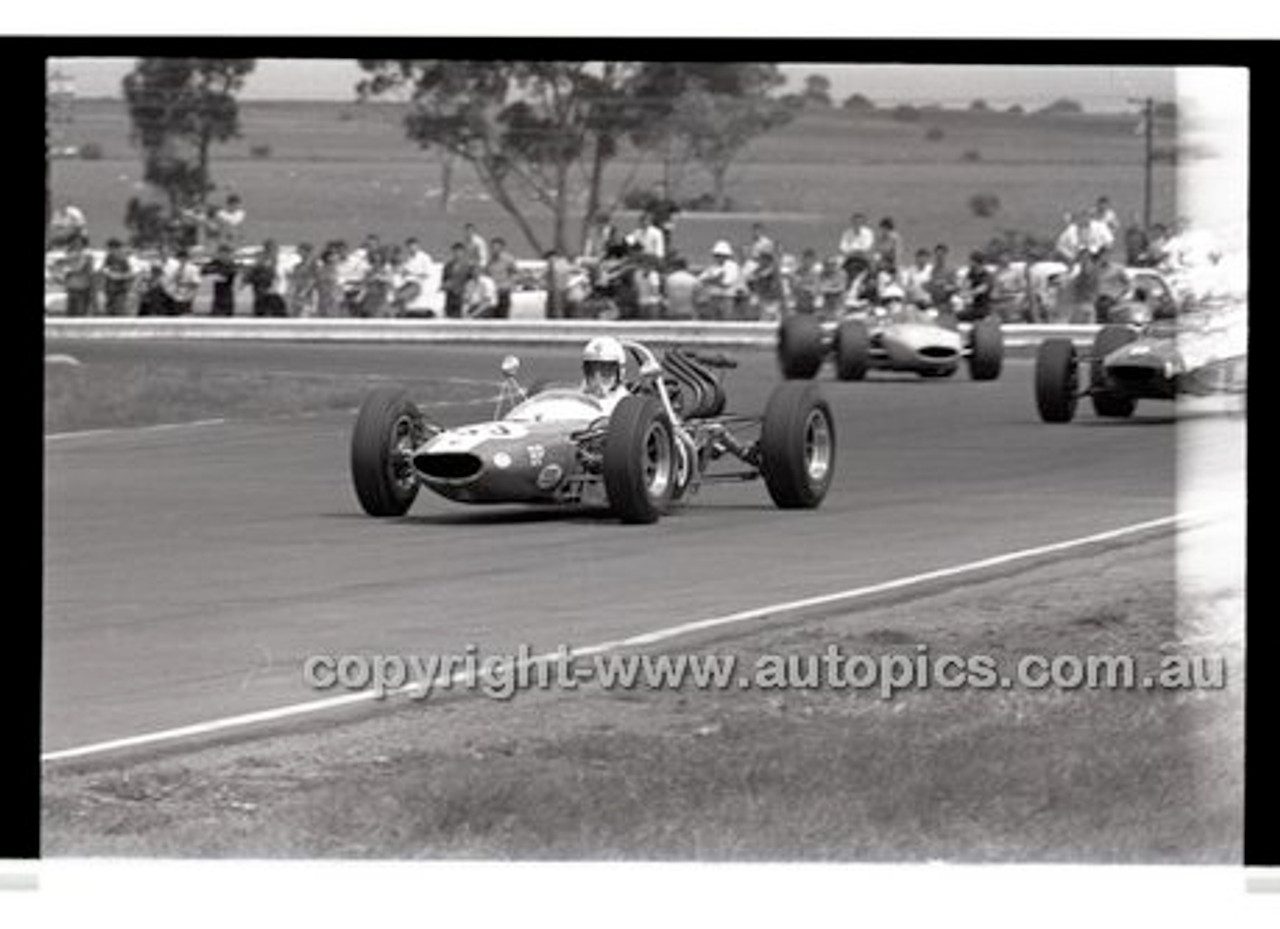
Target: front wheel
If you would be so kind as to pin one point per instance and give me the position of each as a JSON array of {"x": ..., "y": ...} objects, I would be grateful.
[
  {"x": 640, "y": 460},
  {"x": 986, "y": 350},
  {"x": 800, "y": 347},
  {"x": 1057, "y": 380},
  {"x": 388, "y": 429},
  {"x": 797, "y": 446},
  {"x": 1108, "y": 402},
  {"x": 853, "y": 350}
]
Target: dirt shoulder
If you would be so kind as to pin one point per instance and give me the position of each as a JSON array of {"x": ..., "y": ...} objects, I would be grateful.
[{"x": 1143, "y": 775}]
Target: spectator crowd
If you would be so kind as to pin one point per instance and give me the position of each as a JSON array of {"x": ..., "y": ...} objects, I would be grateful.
[{"x": 633, "y": 275}]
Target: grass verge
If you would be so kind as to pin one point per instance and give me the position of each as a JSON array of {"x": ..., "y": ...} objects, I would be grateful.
[{"x": 994, "y": 775}]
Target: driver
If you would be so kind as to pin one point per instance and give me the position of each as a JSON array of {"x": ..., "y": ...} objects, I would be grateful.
[{"x": 603, "y": 360}]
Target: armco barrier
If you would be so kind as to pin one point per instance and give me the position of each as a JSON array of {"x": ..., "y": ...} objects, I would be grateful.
[{"x": 463, "y": 331}]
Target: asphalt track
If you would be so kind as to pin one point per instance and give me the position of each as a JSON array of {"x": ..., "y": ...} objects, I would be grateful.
[{"x": 189, "y": 572}]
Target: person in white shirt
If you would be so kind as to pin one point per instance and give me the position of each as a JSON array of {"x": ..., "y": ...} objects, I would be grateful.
[
  {"x": 915, "y": 278},
  {"x": 761, "y": 244},
  {"x": 681, "y": 288},
  {"x": 649, "y": 237},
  {"x": 228, "y": 223},
  {"x": 416, "y": 271},
  {"x": 181, "y": 281},
  {"x": 480, "y": 296},
  {"x": 1070, "y": 241},
  {"x": 477, "y": 247},
  {"x": 1099, "y": 236},
  {"x": 721, "y": 282},
  {"x": 857, "y": 245},
  {"x": 1106, "y": 213}
]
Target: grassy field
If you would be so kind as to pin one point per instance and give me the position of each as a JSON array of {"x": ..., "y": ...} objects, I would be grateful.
[
  {"x": 810, "y": 774},
  {"x": 343, "y": 170}
]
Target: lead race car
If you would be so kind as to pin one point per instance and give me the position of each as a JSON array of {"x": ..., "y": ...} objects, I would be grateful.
[
  {"x": 1200, "y": 351},
  {"x": 894, "y": 337},
  {"x": 650, "y": 446}
]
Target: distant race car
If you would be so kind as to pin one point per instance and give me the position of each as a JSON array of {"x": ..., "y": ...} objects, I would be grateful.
[
  {"x": 905, "y": 339},
  {"x": 560, "y": 446},
  {"x": 1197, "y": 352}
]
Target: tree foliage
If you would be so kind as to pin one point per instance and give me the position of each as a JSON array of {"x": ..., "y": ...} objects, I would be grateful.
[
  {"x": 536, "y": 133},
  {"x": 180, "y": 107},
  {"x": 817, "y": 90}
]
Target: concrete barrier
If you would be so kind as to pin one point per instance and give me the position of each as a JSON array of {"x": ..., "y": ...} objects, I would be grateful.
[{"x": 464, "y": 331}]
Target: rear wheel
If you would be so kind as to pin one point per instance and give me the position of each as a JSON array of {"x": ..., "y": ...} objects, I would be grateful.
[
  {"x": 388, "y": 428},
  {"x": 800, "y": 347},
  {"x": 853, "y": 350},
  {"x": 986, "y": 350},
  {"x": 640, "y": 460},
  {"x": 797, "y": 446},
  {"x": 1057, "y": 380},
  {"x": 1106, "y": 400}
]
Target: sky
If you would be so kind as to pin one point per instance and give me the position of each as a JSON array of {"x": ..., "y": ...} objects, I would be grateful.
[{"x": 1097, "y": 88}]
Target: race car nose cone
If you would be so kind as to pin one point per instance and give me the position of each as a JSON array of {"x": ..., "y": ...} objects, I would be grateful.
[{"x": 456, "y": 467}]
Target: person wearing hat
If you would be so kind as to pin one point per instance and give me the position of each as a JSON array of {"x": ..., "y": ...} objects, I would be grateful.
[{"x": 720, "y": 281}]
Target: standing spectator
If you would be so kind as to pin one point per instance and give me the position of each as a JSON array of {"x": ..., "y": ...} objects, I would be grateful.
[
  {"x": 916, "y": 279},
  {"x": 154, "y": 300},
  {"x": 67, "y": 225},
  {"x": 888, "y": 247},
  {"x": 602, "y": 237},
  {"x": 833, "y": 287},
  {"x": 977, "y": 290},
  {"x": 1157, "y": 250},
  {"x": 650, "y": 238},
  {"x": 806, "y": 287},
  {"x": 480, "y": 296},
  {"x": 228, "y": 223},
  {"x": 223, "y": 269},
  {"x": 721, "y": 282},
  {"x": 304, "y": 282},
  {"x": 662, "y": 213},
  {"x": 681, "y": 290},
  {"x": 1135, "y": 243},
  {"x": 1099, "y": 234},
  {"x": 764, "y": 284},
  {"x": 942, "y": 279},
  {"x": 454, "y": 280},
  {"x": 648, "y": 283},
  {"x": 353, "y": 270},
  {"x": 77, "y": 277},
  {"x": 504, "y": 272},
  {"x": 477, "y": 248},
  {"x": 181, "y": 282},
  {"x": 268, "y": 280},
  {"x": 117, "y": 279},
  {"x": 1008, "y": 290},
  {"x": 1070, "y": 240},
  {"x": 379, "y": 285},
  {"x": 416, "y": 272},
  {"x": 857, "y": 245},
  {"x": 761, "y": 244},
  {"x": 328, "y": 285},
  {"x": 1105, "y": 213}
]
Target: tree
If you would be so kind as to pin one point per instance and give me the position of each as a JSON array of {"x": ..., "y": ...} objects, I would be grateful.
[
  {"x": 179, "y": 108},
  {"x": 817, "y": 90},
  {"x": 979, "y": 106},
  {"x": 536, "y": 133},
  {"x": 858, "y": 103},
  {"x": 713, "y": 128},
  {"x": 1063, "y": 105}
]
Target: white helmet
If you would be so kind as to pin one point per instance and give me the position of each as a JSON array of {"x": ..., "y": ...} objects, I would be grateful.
[
  {"x": 722, "y": 249},
  {"x": 602, "y": 361},
  {"x": 892, "y": 292}
]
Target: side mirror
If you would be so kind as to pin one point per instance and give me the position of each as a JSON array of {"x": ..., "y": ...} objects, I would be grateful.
[{"x": 510, "y": 366}]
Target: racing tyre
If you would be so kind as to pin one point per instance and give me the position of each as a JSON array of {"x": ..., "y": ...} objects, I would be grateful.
[
  {"x": 1109, "y": 403},
  {"x": 986, "y": 350},
  {"x": 1057, "y": 380},
  {"x": 640, "y": 463},
  {"x": 800, "y": 347},
  {"x": 853, "y": 350},
  {"x": 387, "y": 430},
  {"x": 797, "y": 446}
]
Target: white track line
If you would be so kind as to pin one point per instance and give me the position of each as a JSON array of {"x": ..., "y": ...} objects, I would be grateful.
[
  {"x": 839, "y": 598},
  {"x": 131, "y": 430}
]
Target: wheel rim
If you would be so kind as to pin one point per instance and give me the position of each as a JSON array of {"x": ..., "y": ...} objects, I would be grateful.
[
  {"x": 400, "y": 463},
  {"x": 657, "y": 460},
  {"x": 817, "y": 446}
]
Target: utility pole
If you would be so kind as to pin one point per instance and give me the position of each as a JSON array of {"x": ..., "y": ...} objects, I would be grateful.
[{"x": 1148, "y": 127}]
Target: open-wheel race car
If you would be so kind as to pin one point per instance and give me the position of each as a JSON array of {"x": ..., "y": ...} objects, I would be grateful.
[
  {"x": 1200, "y": 352},
  {"x": 901, "y": 339},
  {"x": 639, "y": 451}
]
